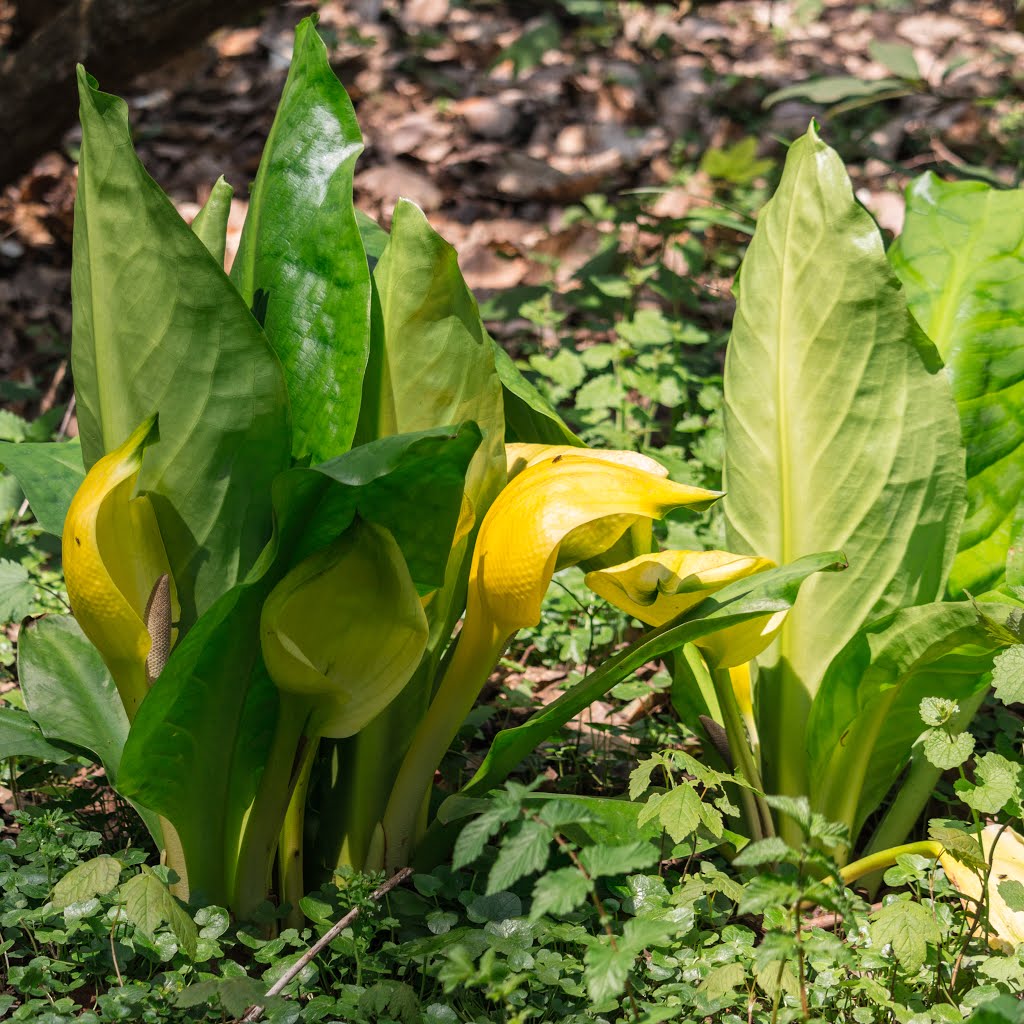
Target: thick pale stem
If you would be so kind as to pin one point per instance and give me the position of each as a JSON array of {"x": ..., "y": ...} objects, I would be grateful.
[
  {"x": 291, "y": 846},
  {"x": 887, "y": 858},
  {"x": 265, "y": 817},
  {"x": 759, "y": 818},
  {"x": 475, "y": 655}
]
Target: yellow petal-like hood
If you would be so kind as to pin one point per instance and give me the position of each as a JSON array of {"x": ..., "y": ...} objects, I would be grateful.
[
  {"x": 114, "y": 562},
  {"x": 658, "y": 587},
  {"x": 582, "y": 503},
  {"x": 521, "y": 456},
  {"x": 346, "y": 628},
  {"x": 1006, "y": 927}
]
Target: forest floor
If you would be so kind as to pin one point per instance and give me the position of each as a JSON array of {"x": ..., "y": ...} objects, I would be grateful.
[{"x": 496, "y": 121}]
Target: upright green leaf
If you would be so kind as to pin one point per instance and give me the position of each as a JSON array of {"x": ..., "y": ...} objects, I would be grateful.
[
  {"x": 528, "y": 415},
  {"x": 841, "y": 432},
  {"x": 961, "y": 262},
  {"x": 49, "y": 473},
  {"x": 193, "y": 754},
  {"x": 301, "y": 247},
  {"x": 158, "y": 327},
  {"x": 211, "y": 222},
  {"x": 866, "y": 718}
]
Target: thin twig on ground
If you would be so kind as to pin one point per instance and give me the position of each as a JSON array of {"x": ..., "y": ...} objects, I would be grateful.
[{"x": 325, "y": 940}]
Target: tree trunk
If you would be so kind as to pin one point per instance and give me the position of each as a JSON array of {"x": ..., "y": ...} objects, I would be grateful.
[{"x": 115, "y": 39}]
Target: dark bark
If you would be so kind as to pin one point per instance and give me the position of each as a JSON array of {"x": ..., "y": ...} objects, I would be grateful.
[{"x": 115, "y": 39}]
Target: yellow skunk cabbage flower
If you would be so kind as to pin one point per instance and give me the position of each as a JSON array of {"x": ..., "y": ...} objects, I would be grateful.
[
  {"x": 1006, "y": 926},
  {"x": 345, "y": 629},
  {"x": 116, "y": 569},
  {"x": 555, "y": 511},
  {"x": 657, "y": 588}
]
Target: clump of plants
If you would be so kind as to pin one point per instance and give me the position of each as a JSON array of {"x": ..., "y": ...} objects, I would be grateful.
[{"x": 312, "y": 502}]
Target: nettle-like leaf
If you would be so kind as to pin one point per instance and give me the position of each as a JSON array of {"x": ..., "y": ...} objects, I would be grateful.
[
  {"x": 91, "y": 878},
  {"x": 148, "y": 904},
  {"x": 960, "y": 261},
  {"x": 841, "y": 433},
  {"x": 908, "y": 928}
]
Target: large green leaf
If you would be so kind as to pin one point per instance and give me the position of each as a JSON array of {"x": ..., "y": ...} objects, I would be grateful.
[
  {"x": 21, "y": 737},
  {"x": 158, "y": 327},
  {"x": 301, "y": 247},
  {"x": 70, "y": 694},
  {"x": 528, "y": 415},
  {"x": 841, "y": 432},
  {"x": 763, "y": 594},
  {"x": 49, "y": 473},
  {"x": 68, "y": 690},
  {"x": 865, "y": 718},
  {"x": 961, "y": 262},
  {"x": 187, "y": 756}
]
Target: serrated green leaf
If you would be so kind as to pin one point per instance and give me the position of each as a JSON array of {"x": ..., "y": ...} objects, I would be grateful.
[
  {"x": 1012, "y": 892},
  {"x": 720, "y": 981},
  {"x": 946, "y": 750},
  {"x": 559, "y": 892},
  {"x": 908, "y": 928},
  {"x": 604, "y": 860},
  {"x": 1008, "y": 675},
  {"x": 91, "y": 878},
  {"x": 148, "y": 904},
  {"x": 606, "y": 970},
  {"x": 17, "y": 595},
  {"x": 521, "y": 854},
  {"x": 764, "y": 851},
  {"x": 962, "y": 845},
  {"x": 679, "y": 812}
]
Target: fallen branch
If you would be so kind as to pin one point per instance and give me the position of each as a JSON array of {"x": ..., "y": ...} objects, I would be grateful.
[{"x": 325, "y": 940}]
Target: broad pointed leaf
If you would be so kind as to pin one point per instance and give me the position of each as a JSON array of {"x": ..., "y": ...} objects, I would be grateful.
[
  {"x": 865, "y": 718},
  {"x": 21, "y": 737},
  {"x": 158, "y": 328},
  {"x": 49, "y": 473},
  {"x": 301, "y": 248},
  {"x": 960, "y": 260},
  {"x": 841, "y": 432}
]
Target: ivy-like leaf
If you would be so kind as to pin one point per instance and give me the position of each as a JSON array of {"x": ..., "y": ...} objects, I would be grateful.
[
  {"x": 998, "y": 780},
  {"x": 947, "y": 750},
  {"x": 1008, "y": 675}
]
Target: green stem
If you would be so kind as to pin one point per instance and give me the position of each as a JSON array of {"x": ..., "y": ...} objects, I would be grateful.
[
  {"x": 290, "y": 846},
  {"x": 883, "y": 859},
  {"x": 476, "y": 652},
  {"x": 263, "y": 821},
  {"x": 756, "y": 811}
]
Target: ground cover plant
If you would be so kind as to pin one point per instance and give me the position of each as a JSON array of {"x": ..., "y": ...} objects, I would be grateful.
[{"x": 294, "y": 482}]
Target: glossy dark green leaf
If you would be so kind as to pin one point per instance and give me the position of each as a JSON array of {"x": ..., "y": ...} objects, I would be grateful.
[
  {"x": 49, "y": 473},
  {"x": 960, "y": 260},
  {"x": 187, "y": 756},
  {"x": 301, "y": 247},
  {"x": 754, "y": 597},
  {"x": 21, "y": 737},
  {"x": 866, "y": 716},
  {"x": 158, "y": 327},
  {"x": 211, "y": 223},
  {"x": 841, "y": 432}
]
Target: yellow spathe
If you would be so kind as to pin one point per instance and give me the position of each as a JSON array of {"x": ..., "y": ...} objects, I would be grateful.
[{"x": 114, "y": 560}]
